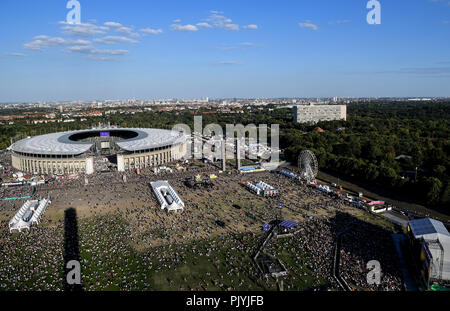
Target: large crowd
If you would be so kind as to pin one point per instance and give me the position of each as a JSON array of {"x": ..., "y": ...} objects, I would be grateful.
[
  {"x": 363, "y": 243},
  {"x": 15, "y": 192},
  {"x": 126, "y": 242}
]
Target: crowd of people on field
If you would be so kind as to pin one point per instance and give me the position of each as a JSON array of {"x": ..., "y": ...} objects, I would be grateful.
[
  {"x": 362, "y": 244},
  {"x": 124, "y": 235}
]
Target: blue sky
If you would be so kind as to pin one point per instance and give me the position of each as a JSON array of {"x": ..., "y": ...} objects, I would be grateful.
[{"x": 222, "y": 49}]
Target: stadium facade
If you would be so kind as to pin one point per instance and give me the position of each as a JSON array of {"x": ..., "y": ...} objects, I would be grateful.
[
  {"x": 75, "y": 152},
  {"x": 316, "y": 113}
]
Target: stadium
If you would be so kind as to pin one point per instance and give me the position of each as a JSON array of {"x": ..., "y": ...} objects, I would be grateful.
[{"x": 80, "y": 151}]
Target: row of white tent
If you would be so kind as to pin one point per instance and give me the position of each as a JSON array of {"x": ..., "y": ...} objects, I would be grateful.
[
  {"x": 324, "y": 188},
  {"x": 262, "y": 189},
  {"x": 288, "y": 174},
  {"x": 35, "y": 207},
  {"x": 264, "y": 186}
]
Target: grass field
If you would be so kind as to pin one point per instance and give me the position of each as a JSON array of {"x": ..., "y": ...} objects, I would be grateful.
[{"x": 130, "y": 244}]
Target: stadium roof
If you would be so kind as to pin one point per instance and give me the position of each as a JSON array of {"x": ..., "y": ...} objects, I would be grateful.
[
  {"x": 61, "y": 144},
  {"x": 50, "y": 144},
  {"x": 151, "y": 138}
]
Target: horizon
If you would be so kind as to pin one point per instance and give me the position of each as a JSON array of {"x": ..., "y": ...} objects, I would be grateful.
[
  {"x": 418, "y": 98},
  {"x": 251, "y": 50}
]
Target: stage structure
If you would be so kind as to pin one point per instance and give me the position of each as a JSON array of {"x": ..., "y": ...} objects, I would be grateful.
[
  {"x": 167, "y": 197},
  {"x": 431, "y": 240}
]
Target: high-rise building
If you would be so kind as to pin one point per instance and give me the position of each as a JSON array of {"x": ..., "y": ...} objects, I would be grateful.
[{"x": 315, "y": 113}]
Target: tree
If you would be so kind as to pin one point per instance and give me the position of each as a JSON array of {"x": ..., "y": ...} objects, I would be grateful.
[
  {"x": 372, "y": 172},
  {"x": 445, "y": 199},
  {"x": 434, "y": 187}
]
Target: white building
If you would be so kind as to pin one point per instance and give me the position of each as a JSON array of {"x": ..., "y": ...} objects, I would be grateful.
[{"x": 315, "y": 113}]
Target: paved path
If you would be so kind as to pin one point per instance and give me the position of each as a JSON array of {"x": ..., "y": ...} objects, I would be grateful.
[{"x": 396, "y": 218}]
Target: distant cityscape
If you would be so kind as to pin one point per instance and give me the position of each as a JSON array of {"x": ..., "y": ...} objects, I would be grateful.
[{"x": 67, "y": 112}]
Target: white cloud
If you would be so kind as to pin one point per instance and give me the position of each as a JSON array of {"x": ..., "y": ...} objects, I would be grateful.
[
  {"x": 204, "y": 25},
  {"x": 100, "y": 58},
  {"x": 127, "y": 31},
  {"x": 232, "y": 62},
  {"x": 341, "y": 21},
  {"x": 81, "y": 48},
  {"x": 14, "y": 54},
  {"x": 233, "y": 27},
  {"x": 111, "y": 52},
  {"x": 113, "y": 24},
  {"x": 86, "y": 47},
  {"x": 83, "y": 30},
  {"x": 218, "y": 20},
  {"x": 227, "y": 47},
  {"x": 251, "y": 26},
  {"x": 150, "y": 31},
  {"x": 178, "y": 27},
  {"x": 115, "y": 39},
  {"x": 308, "y": 24},
  {"x": 93, "y": 51},
  {"x": 43, "y": 42}
]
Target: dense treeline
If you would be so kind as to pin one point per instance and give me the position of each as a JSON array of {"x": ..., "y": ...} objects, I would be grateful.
[
  {"x": 366, "y": 147},
  {"x": 397, "y": 146}
]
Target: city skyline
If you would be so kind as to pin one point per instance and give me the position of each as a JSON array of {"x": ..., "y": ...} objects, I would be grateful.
[{"x": 223, "y": 50}]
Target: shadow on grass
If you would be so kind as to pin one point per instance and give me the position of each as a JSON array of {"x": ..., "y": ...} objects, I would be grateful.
[{"x": 71, "y": 247}]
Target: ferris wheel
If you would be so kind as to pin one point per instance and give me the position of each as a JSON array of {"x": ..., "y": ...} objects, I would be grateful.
[{"x": 308, "y": 166}]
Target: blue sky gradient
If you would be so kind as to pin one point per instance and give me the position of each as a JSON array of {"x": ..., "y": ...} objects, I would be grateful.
[{"x": 335, "y": 53}]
